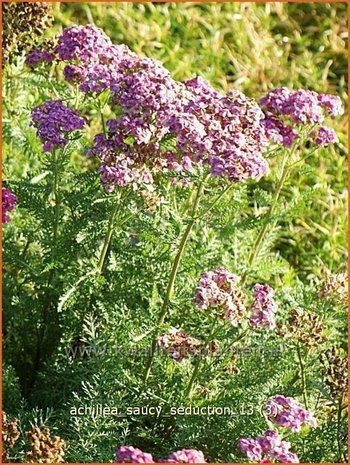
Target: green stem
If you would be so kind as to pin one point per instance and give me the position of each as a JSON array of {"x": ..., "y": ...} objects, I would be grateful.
[
  {"x": 218, "y": 198},
  {"x": 108, "y": 238},
  {"x": 228, "y": 348},
  {"x": 302, "y": 377},
  {"x": 172, "y": 278},
  {"x": 57, "y": 200},
  {"x": 198, "y": 362},
  {"x": 262, "y": 233}
]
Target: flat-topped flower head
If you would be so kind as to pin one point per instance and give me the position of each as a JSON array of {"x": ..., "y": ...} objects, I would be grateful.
[
  {"x": 288, "y": 412},
  {"x": 219, "y": 289},
  {"x": 84, "y": 43},
  {"x": 130, "y": 454},
  {"x": 9, "y": 200},
  {"x": 186, "y": 456},
  {"x": 268, "y": 448},
  {"x": 287, "y": 111},
  {"x": 222, "y": 131},
  {"x": 264, "y": 307},
  {"x": 54, "y": 120}
]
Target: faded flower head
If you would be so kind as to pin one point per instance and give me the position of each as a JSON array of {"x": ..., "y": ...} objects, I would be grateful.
[
  {"x": 264, "y": 307},
  {"x": 54, "y": 121},
  {"x": 288, "y": 412},
  {"x": 130, "y": 454},
  {"x": 178, "y": 344},
  {"x": 9, "y": 200},
  {"x": 304, "y": 327},
  {"x": 10, "y": 435},
  {"x": 219, "y": 289},
  {"x": 287, "y": 111},
  {"x": 268, "y": 448},
  {"x": 186, "y": 456},
  {"x": 335, "y": 368},
  {"x": 23, "y": 25},
  {"x": 335, "y": 288},
  {"x": 44, "y": 447}
]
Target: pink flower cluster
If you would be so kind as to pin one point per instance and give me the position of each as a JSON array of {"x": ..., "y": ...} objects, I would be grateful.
[
  {"x": 129, "y": 454},
  {"x": 54, "y": 120},
  {"x": 219, "y": 289},
  {"x": 284, "y": 108},
  {"x": 268, "y": 448},
  {"x": 264, "y": 307},
  {"x": 9, "y": 200},
  {"x": 223, "y": 132},
  {"x": 288, "y": 412}
]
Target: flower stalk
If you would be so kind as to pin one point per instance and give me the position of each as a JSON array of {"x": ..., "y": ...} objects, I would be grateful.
[{"x": 173, "y": 275}]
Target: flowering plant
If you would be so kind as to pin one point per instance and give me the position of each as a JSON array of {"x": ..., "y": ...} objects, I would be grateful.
[{"x": 144, "y": 235}]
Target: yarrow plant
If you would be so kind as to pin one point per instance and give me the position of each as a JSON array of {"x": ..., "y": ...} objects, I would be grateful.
[
  {"x": 184, "y": 147},
  {"x": 9, "y": 200}
]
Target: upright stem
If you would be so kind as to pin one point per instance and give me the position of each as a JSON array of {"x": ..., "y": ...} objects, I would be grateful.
[
  {"x": 302, "y": 376},
  {"x": 108, "y": 238},
  {"x": 199, "y": 361},
  {"x": 57, "y": 200},
  {"x": 262, "y": 233},
  {"x": 172, "y": 278}
]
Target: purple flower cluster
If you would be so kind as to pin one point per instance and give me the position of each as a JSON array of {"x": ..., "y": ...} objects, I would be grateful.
[
  {"x": 129, "y": 454},
  {"x": 288, "y": 412},
  {"x": 219, "y": 289},
  {"x": 53, "y": 120},
  {"x": 264, "y": 307},
  {"x": 268, "y": 448},
  {"x": 223, "y": 132},
  {"x": 36, "y": 57},
  {"x": 324, "y": 136},
  {"x": 283, "y": 108},
  {"x": 9, "y": 200},
  {"x": 131, "y": 150},
  {"x": 93, "y": 61}
]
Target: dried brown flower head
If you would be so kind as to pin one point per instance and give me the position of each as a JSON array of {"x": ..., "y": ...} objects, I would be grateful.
[
  {"x": 335, "y": 288},
  {"x": 304, "y": 327},
  {"x": 23, "y": 24},
  {"x": 10, "y": 434},
  {"x": 44, "y": 447},
  {"x": 179, "y": 344},
  {"x": 335, "y": 363}
]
